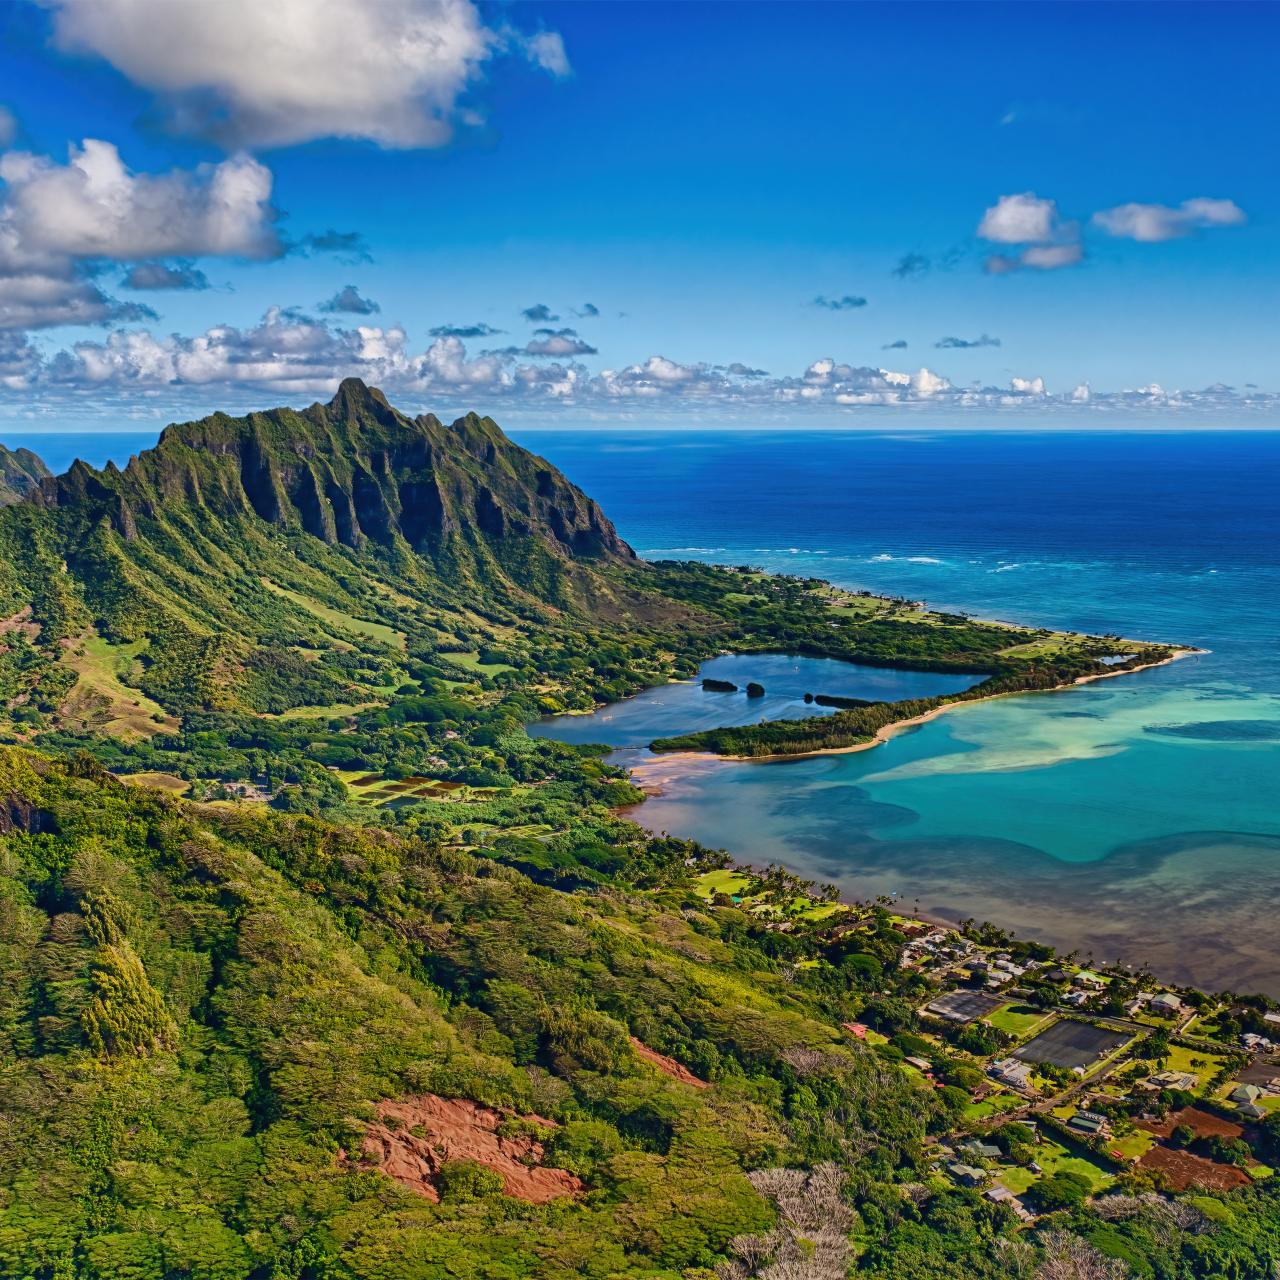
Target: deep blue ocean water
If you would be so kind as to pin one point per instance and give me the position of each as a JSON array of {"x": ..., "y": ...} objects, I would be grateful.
[{"x": 1137, "y": 817}]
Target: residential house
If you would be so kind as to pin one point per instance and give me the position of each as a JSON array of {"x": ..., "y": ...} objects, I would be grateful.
[
  {"x": 1183, "y": 1080},
  {"x": 1166, "y": 1004},
  {"x": 1089, "y": 1123},
  {"x": 976, "y": 1149},
  {"x": 1002, "y": 1195},
  {"x": 966, "y": 1175}
]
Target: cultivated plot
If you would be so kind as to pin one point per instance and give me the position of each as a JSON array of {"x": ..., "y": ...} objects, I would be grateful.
[{"x": 1071, "y": 1044}]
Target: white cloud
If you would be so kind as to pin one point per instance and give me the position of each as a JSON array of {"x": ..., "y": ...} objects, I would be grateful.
[
  {"x": 8, "y": 127},
  {"x": 925, "y": 382},
  {"x": 254, "y": 74},
  {"x": 94, "y": 207},
  {"x": 59, "y": 221},
  {"x": 1036, "y": 257},
  {"x": 19, "y": 361},
  {"x": 294, "y": 357},
  {"x": 1020, "y": 219},
  {"x": 1027, "y": 386},
  {"x": 1032, "y": 222},
  {"x": 1151, "y": 223},
  {"x": 557, "y": 342},
  {"x": 545, "y": 49}
]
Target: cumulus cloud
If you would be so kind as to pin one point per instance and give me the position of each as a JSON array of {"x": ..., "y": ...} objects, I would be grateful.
[
  {"x": 464, "y": 331},
  {"x": 248, "y": 74},
  {"x": 295, "y": 357},
  {"x": 350, "y": 301},
  {"x": 558, "y": 342},
  {"x": 588, "y": 311},
  {"x": 898, "y": 344},
  {"x": 539, "y": 313},
  {"x": 165, "y": 275},
  {"x": 963, "y": 344},
  {"x": 1020, "y": 219},
  {"x": 849, "y": 302},
  {"x": 60, "y": 222},
  {"x": 95, "y": 207},
  {"x": 19, "y": 361},
  {"x": 1151, "y": 223},
  {"x": 45, "y": 297},
  {"x": 1048, "y": 242}
]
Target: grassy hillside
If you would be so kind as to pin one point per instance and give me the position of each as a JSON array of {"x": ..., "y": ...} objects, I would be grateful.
[{"x": 314, "y": 966}]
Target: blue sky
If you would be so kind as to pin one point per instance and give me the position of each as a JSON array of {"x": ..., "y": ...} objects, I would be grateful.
[{"x": 1065, "y": 212}]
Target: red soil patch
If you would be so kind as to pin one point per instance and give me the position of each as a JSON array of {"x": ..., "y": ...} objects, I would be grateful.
[
  {"x": 414, "y": 1137},
  {"x": 668, "y": 1066},
  {"x": 1203, "y": 1123},
  {"x": 20, "y": 621},
  {"x": 1183, "y": 1170}
]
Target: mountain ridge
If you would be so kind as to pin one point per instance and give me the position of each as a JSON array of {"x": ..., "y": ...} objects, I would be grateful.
[
  {"x": 239, "y": 536},
  {"x": 336, "y": 469}
]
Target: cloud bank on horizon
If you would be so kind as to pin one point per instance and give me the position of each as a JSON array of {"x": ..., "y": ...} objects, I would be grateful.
[{"x": 237, "y": 88}]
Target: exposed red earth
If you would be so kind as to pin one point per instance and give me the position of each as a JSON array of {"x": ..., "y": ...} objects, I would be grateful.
[
  {"x": 668, "y": 1066},
  {"x": 414, "y": 1137}
]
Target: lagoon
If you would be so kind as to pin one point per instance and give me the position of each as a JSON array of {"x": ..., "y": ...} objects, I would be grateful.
[{"x": 685, "y": 706}]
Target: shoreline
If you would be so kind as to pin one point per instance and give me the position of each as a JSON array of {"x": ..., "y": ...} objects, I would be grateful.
[{"x": 883, "y": 735}]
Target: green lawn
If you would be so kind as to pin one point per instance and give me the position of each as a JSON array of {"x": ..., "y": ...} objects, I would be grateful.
[
  {"x": 726, "y": 881},
  {"x": 1199, "y": 1062},
  {"x": 991, "y": 1106},
  {"x": 330, "y": 712},
  {"x": 1053, "y": 1157},
  {"x": 1134, "y": 1144},
  {"x": 1017, "y": 1020}
]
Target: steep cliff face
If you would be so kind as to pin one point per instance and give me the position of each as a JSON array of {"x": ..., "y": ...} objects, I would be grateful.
[
  {"x": 353, "y": 472},
  {"x": 287, "y": 533},
  {"x": 20, "y": 474}
]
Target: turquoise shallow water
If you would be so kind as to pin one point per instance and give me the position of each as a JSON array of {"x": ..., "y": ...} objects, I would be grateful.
[
  {"x": 1137, "y": 817},
  {"x": 685, "y": 706}
]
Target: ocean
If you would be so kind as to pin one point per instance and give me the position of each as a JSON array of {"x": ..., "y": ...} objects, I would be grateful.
[{"x": 1135, "y": 818}]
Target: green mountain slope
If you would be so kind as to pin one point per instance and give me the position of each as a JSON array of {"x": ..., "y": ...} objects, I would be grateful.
[
  {"x": 21, "y": 472},
  {"x": 339, "y": 975},
  {"x": 242, "y": 558}
]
